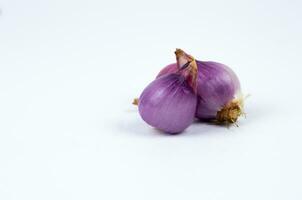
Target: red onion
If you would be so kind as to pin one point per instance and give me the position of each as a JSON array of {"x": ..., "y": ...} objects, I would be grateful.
[
  {"x": 169, "y": 102},
  {"x": 218, "y": 89}
]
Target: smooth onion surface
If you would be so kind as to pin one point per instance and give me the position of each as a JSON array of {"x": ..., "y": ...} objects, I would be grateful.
[{"x": 168, "y": 103}]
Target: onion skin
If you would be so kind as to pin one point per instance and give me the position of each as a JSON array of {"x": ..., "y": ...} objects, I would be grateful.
[
  {"x": 218, "y": 85},
  {"x": 169, "y": 69},
  {"x": 168, "y": 103},
  {"x": 218, "y": 90}
]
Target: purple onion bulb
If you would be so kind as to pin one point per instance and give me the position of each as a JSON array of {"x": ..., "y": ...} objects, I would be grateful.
[
  {"x": 219, "y": 93},
  {"x": 169, "y": 102}
]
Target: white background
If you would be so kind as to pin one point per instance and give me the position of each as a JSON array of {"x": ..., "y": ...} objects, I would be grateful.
[{"x": 69, "y": 71}]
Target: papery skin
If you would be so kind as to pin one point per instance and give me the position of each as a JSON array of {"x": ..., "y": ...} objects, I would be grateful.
[
  {"x": 217, "y": 85},
  {"x": 168, "y": 103},
  {"x": 169, "y": 69}
]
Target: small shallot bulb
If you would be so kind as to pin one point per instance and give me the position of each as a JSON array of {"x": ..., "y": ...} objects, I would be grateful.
[
  {"x": 169, "y": 102},
  {"x": 219, "y": 93}
]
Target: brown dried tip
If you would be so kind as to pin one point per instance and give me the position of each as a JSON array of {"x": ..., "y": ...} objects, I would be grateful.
[
  {"x": 230, "y": 112},
  {"x": 135, "y": 101},
  {"x": 182, "y": 60}
]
